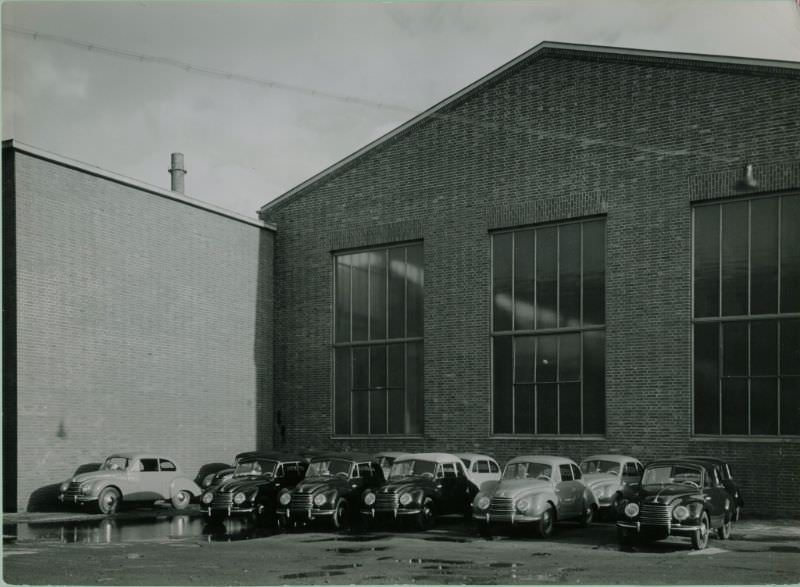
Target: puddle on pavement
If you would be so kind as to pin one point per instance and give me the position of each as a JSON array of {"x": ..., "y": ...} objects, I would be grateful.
[
  {"x": 338, "y": 567},
  {"x": 445, "y": 539},
  {"x": 312, "y": 574},
  {"x": 356, "y": 538},
  {"x": 354, "y": 550}
]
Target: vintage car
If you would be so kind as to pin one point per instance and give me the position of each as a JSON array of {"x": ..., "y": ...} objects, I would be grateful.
[
  {"x": 420, "y": 487},
  {"x": 386, "y": 458},
  {"x": 535, "y": 490},
  {"x": 611, "y": 478},
  {"x": 223, "y": 473},
  {"x": 479, "y": 468},
  {"x": 330, "y": 490},
  {"x": 252, "y": 490},
  {"x": 724, "y": 473},
  {"x": 130, "y": 477},
  {"x": 683, "y": 497}
]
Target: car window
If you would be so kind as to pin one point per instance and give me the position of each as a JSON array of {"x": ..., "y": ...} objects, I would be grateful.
[
  {"x": 166, "y": 465},
  {"x": 482, "y": 467},
  {"x": 149, "y": 465},
  {"x": 364, "y": 470},
  {"x": 449, "y": 470},
  {"x": 377, "y": 471},
  {"x": 494, "y": 467},
  {"x": 630, "y": 469},
  {"x": 566, "y": 472},
  {"x": 639, "y": 469},
  {"x": 467, "y": 462},
  {"x": 439, "y": 473},
  {"x": 576, "y": 472},
  {"x": 460, "y": 471}
]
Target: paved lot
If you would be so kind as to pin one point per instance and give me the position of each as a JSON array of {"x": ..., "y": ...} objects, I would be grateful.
[{"x": 143, "y": 548}]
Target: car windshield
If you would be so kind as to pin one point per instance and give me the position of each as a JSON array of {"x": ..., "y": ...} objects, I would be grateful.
[
  {"x": 386, "y": 462},
  {"x": 115, "y": 464},
  {"x": 256, "y": 467},
  {"x": 413, "y": 467},
  {"x": 527, "y": 470},
  {"x": 600, "y": 466},
  {"x": 672, "y": 474},
  {"x": 329, "y": 468}
]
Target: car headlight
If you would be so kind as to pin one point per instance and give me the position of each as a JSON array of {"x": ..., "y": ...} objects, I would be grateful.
[
  {"x": 285, "y": 498},
  {"x": 369, "y": 498},
  {"x": 64, "y": 486},
  {"x": 523, "y": 505},
  {"x": 319, "y": 500},
  {"x": 207, "y": 480},
  {"x": 405, "y": 499},
  {"x": 680, "y": 512},
  {"x": 632, "y": 510},
  {"x": 483, "y": 502},
  {"x": 86, "y": 488},
  {"x": 238, "y": 498},
  {"x": 208, "y": 497}
]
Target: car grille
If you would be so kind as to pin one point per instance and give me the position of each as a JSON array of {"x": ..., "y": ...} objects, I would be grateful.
[
  {"x": 73, "y": 489},
  {"x": 655, "y": 515},
  {"x": 501, "y": 507},
  {"x": 301, "y": 501},
  {"x": 387, "y": 502},
  {"x": 222, "y": 499}
]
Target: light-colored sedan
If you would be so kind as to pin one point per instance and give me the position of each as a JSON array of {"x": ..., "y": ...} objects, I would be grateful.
[
  {"x": 611, "y": 478},
  {"x": 480, "y": 468},
  {"x": 535, "y": 490},
  {"x": 130, "y": 477}
]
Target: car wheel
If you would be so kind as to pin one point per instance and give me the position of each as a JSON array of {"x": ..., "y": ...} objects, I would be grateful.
[
  {"x": 545, "y": 526},
  {"x": 180, "y": 501},
  {"x": 108, "y": 501},
  {"x": 341, "y": 515},
  {"x": 724, "y": 531},
  {"x": 611, "y": 513},
  {"x": 700, "y": 537},
  {"x": 427, "y": 514},
  {"x": 587, "y": 517}
]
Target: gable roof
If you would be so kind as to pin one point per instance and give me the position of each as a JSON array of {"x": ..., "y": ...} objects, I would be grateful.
[{"x": 769, "y": 67}]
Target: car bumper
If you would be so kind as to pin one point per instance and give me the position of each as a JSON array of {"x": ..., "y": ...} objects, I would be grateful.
[
  {"x": 227, "y": 511},
  {"x": 505, "y": 518},
  {"x": 399, "y": 512},
  {"x": 305, "y": 515},
  {"x": 77, "y": 499},
  {"x": 674, "y": 528}
]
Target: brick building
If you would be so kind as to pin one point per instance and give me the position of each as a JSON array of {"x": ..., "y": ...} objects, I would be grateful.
[
  {"x": 565, "y": 257},
  {"x": 133, "y": 318}
]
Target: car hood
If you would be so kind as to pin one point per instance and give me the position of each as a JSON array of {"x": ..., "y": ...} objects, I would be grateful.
[
  {"x": 515, "y": 487},
  {"x": 666, "y": 494},
  {"x": 404, "y": 484},
  {"x": 245, "y": 483},
  {"x": 597, "y": 479},
  {"x": 317, "y": 484},
  {"x": 97, "y": 475}
]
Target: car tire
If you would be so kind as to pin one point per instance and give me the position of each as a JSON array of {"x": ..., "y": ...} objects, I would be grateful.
[
  {"x": 700, "y": 537},
  {"x": 341, "y": 515},
  {"x": 587, "y": 517},
  {"x": 108, "y": 501},
  {"x": 427, "y": 515},
  {"x": 724, "y": 531},
  {"x": 545, "y": 526},
  {"x": 611, "y": 513},
  {"x": 181, "y": 500}
]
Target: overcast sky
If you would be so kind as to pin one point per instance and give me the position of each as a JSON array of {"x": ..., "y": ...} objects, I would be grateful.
[{"x": 245, "y": 143}]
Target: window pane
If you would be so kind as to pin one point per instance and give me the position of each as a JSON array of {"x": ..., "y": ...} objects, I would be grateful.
[
  {"x": 414, "y": 389},
  {"x": 377, "y": 295},
  {"x": 523, "y": 409},
  {"x": 396, "y": 365},
  {"x": 569, "y": 414},
  {"x": 397, "y": 410},
  {"x": 546, "y": 277},
  {"x": 524, "y": 359},
  {"x": 361, "y": 411},
  {"x": 396, "y": 383},
  {"x": 569, "y": 269},
  {"x": 523, "y": 280},
  {"x": 378, "y": 403},
  {"x": 397, "y": 293},
  {"x": 377, "y": 367},
  {"x": 763, "y": 406},
  {"x": 790, "y": 347},
  {"x": 594, "y": 272},
  {"x": 734, "y": 405},
  {"x": 546, "y": 359},
  {"x": 764, "y": 256},
  {"x": 360, "y": 286},
  {"x": 342, "y": 391},
  {"x": 503, "y": 368},
  {"x": 547, "y": 409},
  {"x": 502, "y": 269},
  {"x": 706, "y": 378},
  {"x": 342, "y": 324},
  {"x": 415, "y": 277},
  {"x": 734, "y": 259},
  {"x": 764, "y": 348},
  {"x": 594, "y": 382},
  {"x": 361, "y": 367},
  {"x": 790, "y": 254},
  {"x": 734, "y": 348},
  {"x": 569, "y": 357},
  {"x": 790, "y": 405},
  {"x": 706, "y": 261}
]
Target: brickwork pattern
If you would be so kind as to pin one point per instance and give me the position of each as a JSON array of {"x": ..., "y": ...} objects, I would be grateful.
[
  {"x": 629, "y": 130},
  {"x": 143, "y": 323}
]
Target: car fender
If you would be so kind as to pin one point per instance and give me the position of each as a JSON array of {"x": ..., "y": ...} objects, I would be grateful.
[
  {"x": 589, "y": 498},
  {"x": 542, "y": 500},
  {"x": 183, "y": 484}
]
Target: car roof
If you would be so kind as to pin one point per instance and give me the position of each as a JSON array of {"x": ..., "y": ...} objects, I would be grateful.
[
  {"x": 141, "y": 455},
  {"x": 683, "y": 461},
  {"x": 714, "y": 460},
  {"x": 391, "y": 453},
  {"x": 268, "y": 454},
  {"x": 345, "y": 456},
  {"x": 473, "y": 456},
  {"x": 437, "y": 457},
  {"x": 545, "y": 459},
  {"x": 610, "y": 457}
]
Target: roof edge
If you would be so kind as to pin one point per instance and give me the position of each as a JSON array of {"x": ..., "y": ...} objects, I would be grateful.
[
  {"x": 134, "y": 183},
  {"x": 574, "y": 48}
]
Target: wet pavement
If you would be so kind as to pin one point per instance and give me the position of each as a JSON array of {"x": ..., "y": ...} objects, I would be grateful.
[{"x": 164, "y": 547}]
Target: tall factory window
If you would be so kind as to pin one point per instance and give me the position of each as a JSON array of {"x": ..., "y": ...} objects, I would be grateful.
[
  {"x": 747, "y": 317},
  {"x": 378, "y": 341},
  {"x": 548, "y": 329}
]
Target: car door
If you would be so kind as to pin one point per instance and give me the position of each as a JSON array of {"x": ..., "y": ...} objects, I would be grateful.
[
  {"x": 168, "y": 471},
  {"x": 566, "y": 491},
  {"x": 150, "y": 481},
  {"x": 716, "y": 496},
  {"x": 480, "y": 472},
  {"x": 580, "y": 488}
]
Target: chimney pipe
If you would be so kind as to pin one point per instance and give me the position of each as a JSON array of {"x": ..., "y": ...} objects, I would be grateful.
[{"x": 177, "y": 171}]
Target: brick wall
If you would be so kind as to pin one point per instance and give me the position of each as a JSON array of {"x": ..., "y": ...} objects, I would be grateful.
[
  {"x": 142, "y": 323},
  {"x": 561, "y": 135}
]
